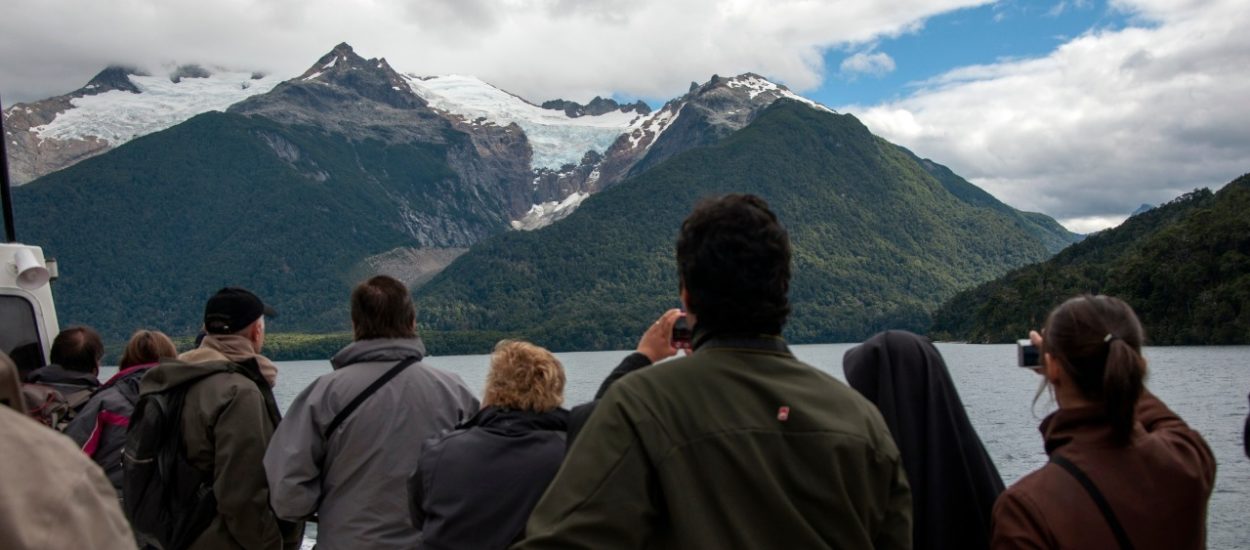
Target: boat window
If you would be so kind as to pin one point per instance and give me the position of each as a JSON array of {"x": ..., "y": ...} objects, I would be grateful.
[{"x": 19, "y": 333}]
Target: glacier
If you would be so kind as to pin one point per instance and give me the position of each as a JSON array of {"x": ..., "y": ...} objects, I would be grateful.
[
  {"x": 556, "y": 138},
  {"x": 118, "y": 116}
]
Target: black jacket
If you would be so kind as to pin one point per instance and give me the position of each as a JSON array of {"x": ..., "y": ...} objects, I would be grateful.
[
  {"x": 475, "y": 487},
  {"x": 581, "y": 413}
]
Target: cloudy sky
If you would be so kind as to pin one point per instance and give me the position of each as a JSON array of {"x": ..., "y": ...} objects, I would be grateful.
[{"x": 1081, "y": 109}]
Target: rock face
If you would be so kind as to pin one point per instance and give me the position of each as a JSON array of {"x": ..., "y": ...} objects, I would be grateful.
[
  {"x": 365, "y": 99},
  {"x": 597, "y": 106}
]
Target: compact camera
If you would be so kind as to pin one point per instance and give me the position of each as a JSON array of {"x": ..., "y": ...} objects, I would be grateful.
[
  {"x": 681, "y": 333},
  {"x": 1027, "y": 354}
]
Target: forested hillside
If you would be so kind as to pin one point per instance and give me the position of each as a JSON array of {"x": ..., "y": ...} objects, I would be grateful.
[
  {"x": 145, "y": 233},
  {"x": 879, "y": 241},
  {"x": 1184, "y": 267}
]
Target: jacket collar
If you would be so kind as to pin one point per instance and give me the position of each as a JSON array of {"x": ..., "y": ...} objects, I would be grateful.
[
  {"x": 1083, "y": 426},
  {"x": 234, "y": 348},
  {"x": 514, "y": 421},
  {"x": 707, "y": 340},
  {"x": 382, "y": 349}
]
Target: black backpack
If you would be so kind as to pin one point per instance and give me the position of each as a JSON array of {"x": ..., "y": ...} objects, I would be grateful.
[{"x": 168, "y": 501}]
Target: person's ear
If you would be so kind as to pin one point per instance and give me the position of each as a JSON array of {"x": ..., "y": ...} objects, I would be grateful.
[{"x": 1050, "y": 368}]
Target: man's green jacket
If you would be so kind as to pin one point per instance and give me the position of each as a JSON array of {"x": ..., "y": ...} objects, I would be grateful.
[{"x": 738, "y": 445}]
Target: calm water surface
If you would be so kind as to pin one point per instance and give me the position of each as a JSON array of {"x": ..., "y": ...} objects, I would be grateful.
[{"x": 1207, "y": 386}]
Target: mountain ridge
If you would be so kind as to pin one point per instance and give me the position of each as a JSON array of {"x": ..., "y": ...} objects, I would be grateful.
[
  {"x": 1184, "y": 266},
  {"x": 593, "y": 280}
]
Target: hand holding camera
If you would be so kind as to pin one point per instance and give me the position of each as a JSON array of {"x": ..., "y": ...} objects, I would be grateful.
[
  {"x": 1028, "y": 352},
  {"x": 657, "y": 343}
]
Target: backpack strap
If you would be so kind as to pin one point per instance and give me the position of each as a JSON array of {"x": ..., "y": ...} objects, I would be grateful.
[
  {"x": 1103, "y": 506},
  {"x": 377, "y": 384}
]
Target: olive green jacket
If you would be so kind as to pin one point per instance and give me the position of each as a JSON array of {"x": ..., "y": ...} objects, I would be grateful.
[
  {"x": 738, "y": 445},
  {"x": 228, "y": 419}
]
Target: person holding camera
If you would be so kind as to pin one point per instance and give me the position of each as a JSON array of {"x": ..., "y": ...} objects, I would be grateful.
[
  {"x": 739, "y": 444},
  {"x": 1124, "y": 470}
]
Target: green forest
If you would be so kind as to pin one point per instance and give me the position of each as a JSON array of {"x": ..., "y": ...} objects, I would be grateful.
[{"x": 1184, "y": 267}]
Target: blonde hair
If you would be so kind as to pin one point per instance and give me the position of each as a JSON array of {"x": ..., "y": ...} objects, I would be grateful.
[{"x": 523, "y": 377}]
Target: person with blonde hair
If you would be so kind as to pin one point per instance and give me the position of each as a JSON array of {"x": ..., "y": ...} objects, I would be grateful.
[
  {"x": 475, "y": 486},
  {"x": 100, "y": 428}
]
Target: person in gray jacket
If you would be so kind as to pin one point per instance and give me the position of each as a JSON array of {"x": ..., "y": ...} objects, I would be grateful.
[{"x": 351, "y": 439}]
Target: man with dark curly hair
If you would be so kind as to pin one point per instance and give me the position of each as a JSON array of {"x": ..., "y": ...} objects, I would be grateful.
[{"x": 739, "y": 444}]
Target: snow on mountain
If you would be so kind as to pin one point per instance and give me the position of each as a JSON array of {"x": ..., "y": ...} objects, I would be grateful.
[
  {"x": 756, "y": 85},
  {"x": 556, "y": 138},
  {"x": 544, "y": 214},
  {"x": 118, "y": 116}
]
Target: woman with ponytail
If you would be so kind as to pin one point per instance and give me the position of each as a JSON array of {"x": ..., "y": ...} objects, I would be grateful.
[{"x": 1124, "y": 470}]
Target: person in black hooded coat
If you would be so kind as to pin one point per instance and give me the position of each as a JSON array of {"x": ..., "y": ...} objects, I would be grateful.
[{"x": 953, "y": 481}]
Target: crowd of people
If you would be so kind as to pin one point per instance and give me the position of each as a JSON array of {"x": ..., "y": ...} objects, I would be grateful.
[{"x": 733, "y": 443}]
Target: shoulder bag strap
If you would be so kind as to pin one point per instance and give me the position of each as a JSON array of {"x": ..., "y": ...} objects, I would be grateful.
[
  {"x": 382, "y": 380},
  {"x": 1103, "y": 506}
]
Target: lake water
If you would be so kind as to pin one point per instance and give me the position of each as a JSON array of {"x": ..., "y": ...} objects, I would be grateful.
[{"x": 1207, "y": 386}]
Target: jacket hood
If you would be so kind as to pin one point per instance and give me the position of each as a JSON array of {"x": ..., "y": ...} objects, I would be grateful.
[
  {"x": 171, "y": 372},
  {"x": 510, "y": 421},
  {"x": 384, "y": 349}
]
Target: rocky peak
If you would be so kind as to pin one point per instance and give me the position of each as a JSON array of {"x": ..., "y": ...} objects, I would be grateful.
[
  {"x": 115, "y": 77},
  {"x": 372, "y": 78},
  {"x": 597, "y": 106},
  {"x": 188, "y": 71}
]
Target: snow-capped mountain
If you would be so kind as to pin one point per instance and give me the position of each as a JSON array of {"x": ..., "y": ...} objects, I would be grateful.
[
  {"x": 547, "y": 158},
  {"x": 704, "y": 115},
  {"x": 116, "y": 106}
]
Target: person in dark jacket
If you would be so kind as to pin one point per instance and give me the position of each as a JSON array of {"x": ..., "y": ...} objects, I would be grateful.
[
  {"x": 1110, "y": 440},
  {"x": 100, "y": 427},
  {"x": 739, "y": 444},
  {"x": 75, "y": 367},
  {"x": 1245, "y": 437},
  {"x": 475, "y": 487},
  {"x": 953, "y": 481}
]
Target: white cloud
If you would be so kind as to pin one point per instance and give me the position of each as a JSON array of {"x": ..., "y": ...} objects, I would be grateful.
[
  {"x": 870, "y": 63},
  {"x": 540, "y": 49},
  {"x": 1108, "y": 121}
]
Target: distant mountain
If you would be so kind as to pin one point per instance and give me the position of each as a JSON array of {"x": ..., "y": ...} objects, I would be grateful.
[
  {"x": 118, "y": 105},
  {"x": 1143, "y": 208},
  {"x": 296, "y": 193},
  {"x": 353, "y": 168},
  {"x": 347, "y": 170},
  {"x": 879, "y": 240},
  {"x": 1184, "y": 266}
]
